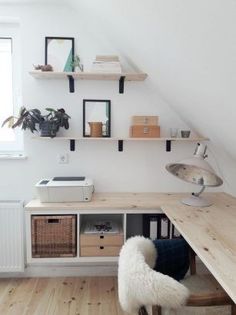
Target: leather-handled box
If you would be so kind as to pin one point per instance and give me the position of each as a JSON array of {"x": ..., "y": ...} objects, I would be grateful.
[{"x": 144, "y": 131}]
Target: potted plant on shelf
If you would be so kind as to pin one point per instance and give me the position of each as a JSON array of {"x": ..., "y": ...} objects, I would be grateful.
[{"x": 47, "y": 124}]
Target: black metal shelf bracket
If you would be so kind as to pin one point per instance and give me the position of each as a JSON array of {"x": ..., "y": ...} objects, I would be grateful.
[
  {"x": 168, "y": 145},
  {"x": 121, "y": 84},
  {"x": 120, "y": 145},
  {"x": 72, "y": 144},
  {"x": 71, "y": 83}
]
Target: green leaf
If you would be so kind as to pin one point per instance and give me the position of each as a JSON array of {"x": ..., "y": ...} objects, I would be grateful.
[
  {"x": 10, "y": 121},
  {"x": 22, "y": 111},
  {"x": 50, "y": 109},
  {"x": 18, "y": 122}
]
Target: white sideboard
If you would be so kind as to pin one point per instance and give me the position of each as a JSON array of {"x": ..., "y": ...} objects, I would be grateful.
[{"x": 127, "y": 208}]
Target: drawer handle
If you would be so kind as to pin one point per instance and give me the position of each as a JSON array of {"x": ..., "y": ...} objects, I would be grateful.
[
  {"x": 145, "y": 130},
  {"x": 101, "y": 236},
  {"x": 51, "y": 221},
  {"x": 101, "y": 247}
]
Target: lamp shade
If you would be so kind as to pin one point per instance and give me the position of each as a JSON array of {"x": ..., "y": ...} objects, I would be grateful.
[{"x": 196, "y": 170}]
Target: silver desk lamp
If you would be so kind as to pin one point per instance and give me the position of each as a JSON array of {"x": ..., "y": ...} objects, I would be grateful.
[{"x": 196, "y": 170}]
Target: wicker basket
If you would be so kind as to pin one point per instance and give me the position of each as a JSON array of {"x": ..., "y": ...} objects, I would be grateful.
[{"x": 53, "y": 236}]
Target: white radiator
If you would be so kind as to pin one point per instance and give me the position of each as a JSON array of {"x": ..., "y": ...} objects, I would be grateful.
[{"x": 11, "y": 236}]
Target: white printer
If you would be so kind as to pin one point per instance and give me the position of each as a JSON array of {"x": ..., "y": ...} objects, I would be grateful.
[{"x": 65, "y": 189}]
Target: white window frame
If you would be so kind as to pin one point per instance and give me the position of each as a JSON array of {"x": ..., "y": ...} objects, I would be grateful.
[{"x": 12, "y": 30}]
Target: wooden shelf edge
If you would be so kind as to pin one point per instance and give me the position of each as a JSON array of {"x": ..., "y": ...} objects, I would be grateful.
[
  {"x": 123, "y": 138},
  {"x": 129, "y": 76}
]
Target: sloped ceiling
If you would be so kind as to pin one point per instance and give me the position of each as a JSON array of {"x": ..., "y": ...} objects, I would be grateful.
[{"x": 188, "y": 48}]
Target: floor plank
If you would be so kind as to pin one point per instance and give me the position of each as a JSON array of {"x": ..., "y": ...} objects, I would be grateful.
[{"x": 72, "y": 296}]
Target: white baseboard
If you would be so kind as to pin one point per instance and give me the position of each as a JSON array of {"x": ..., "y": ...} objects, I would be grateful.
[
  {"x": 68, "y": 270},
  {"x": 64, "y": 271}
]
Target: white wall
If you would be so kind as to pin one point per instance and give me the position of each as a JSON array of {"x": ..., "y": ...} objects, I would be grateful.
[
  {"x": 141, "y": 166},
  {"x": 188, "y": 47}
]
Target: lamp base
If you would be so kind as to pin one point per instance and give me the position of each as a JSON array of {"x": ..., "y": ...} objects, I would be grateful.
[{"x": 196, "y": 201}]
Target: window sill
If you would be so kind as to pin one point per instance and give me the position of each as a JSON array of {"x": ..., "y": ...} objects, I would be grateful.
[{"x": 12, "y": 156}]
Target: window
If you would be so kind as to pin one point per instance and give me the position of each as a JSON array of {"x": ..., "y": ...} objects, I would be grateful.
[{"x": 11, "y": 140}]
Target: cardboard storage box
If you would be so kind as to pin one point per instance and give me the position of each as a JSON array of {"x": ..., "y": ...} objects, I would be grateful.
[
  {"x": 100, "y": 245},
  {"x": 145, "y": 120},
  {"x": 100, "y": 251},
  {"x": 143, "y": 131}
]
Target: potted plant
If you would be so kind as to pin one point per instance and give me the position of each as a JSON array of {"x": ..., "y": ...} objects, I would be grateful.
[
  {"x": 47, "y": 124},
  {"x": 53, "y": 121}
]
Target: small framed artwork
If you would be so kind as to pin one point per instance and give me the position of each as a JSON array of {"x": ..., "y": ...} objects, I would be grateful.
[
  {"x": 96, "y": 118},
  {"x": 59, "y": 53}
]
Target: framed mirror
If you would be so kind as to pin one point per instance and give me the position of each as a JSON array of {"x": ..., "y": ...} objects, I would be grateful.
[
  {"x": 96, "y": 118},
  {"x": 59, "y": 53}
]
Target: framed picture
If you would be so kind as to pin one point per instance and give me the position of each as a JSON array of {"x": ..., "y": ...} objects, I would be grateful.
[
  {"x": 59, "y": 53},
  {"x": 96, "y": 118}
]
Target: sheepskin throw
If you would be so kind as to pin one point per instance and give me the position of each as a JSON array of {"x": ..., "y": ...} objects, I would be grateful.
[{"x": 139, "y": 285}]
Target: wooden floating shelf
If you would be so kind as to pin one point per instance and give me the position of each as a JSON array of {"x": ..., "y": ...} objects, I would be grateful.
[
  {"x": 72, "y": 76},
  {"x": 129, "y": 76},
  {"x": 121, "y": 140}
]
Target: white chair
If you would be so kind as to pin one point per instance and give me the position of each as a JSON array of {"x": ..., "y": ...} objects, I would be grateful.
[{"x": 140, "y": 288}]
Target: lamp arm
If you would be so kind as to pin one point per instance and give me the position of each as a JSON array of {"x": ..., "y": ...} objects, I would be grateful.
[
  {"x": 200, "y": 151},
  {"x": 200, "y": 192}
]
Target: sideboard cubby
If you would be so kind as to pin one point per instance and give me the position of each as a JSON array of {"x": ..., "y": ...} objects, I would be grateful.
[{"x": 101, "y": 235}]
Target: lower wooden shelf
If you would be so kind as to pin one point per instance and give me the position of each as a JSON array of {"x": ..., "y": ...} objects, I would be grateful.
[{"x": 121, "y": 140}]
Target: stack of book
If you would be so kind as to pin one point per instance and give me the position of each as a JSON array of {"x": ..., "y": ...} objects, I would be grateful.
[
  {"x": 106, "y": 64},
  {"x": 94, "y": 227}
]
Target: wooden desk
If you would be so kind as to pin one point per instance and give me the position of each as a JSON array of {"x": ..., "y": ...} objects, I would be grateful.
[
  {"x": 132, "y": 202},
  {"x": 211, "y": 232}
]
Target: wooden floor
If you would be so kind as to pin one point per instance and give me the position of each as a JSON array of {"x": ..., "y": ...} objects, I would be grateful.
[
  {"x": 59, "y": 296},
  {"x": 71, "y": 296}
]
